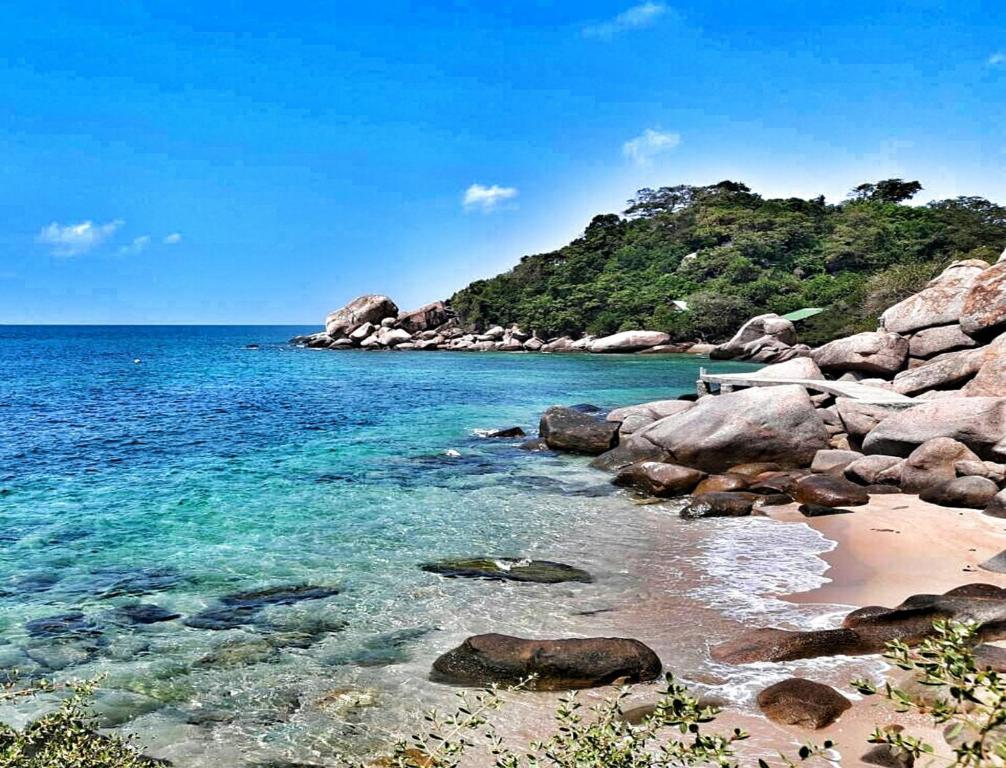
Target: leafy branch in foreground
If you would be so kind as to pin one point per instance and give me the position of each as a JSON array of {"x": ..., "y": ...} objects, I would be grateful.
[
  {"x": 65, "y": 737},
  {"x": 970, "y": 702}
]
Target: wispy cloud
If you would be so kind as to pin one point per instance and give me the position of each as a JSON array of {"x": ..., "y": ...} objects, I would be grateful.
[
  {"x": 138, "y": 245},
  {"x": 75, "y": 239},
  {"x": 997, "y": 58},
  {"x": 481, "y": 197},
  {"x": 650, "y": 143},
  {"x": 173, "y": 239},
  {"x": 637, "y": 16}
]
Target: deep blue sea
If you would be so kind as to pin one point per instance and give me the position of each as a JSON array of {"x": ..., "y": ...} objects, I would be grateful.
[{"x": 159, "y": 470}]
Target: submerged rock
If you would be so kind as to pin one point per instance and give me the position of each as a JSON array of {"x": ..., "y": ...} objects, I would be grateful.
[
  {"x": 509, "y": 569},
  {"x": 144, "y": 613},
  {"x": 771, "y": 644},
  {"x": 279, "y": 595},
  {"x": 64, "y": 626},
  {"x": 556, "y": 664}
]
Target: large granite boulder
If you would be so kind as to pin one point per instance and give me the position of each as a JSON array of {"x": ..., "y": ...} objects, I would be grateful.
[
  {"x": 634, "y": 417},
  {"x": 983, "y": 313},
  {"x": 371, "y": 308},
  {"x": 567, "y": 429},
  {"x": 659, "y": 479},
  {"x": 971, "y": 492},
  {"x": 628, "y": 341},
  {"x": 393, "y": 337},
  {"x": 978, "y": 422},
  {"x": 869, "y": 352},
  {"x": 939, "y": 303},
  {"x": 797, "y": 368},
  {"x": 765, "y": 338},
  {"x": 797, "y": 701},
  {"x": 555, "y": 664},
  {"x": 951, "y": 369},
  {"x": 933, "y": 463},
  {"x": 930, "y": 342},
  {"x": 990, "y": 380},
  {"x": 772, "y": 424},
  {"x": 426, "y": 318}
]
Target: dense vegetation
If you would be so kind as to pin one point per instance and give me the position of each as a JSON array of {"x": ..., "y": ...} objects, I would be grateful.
[{"x": 731, "y": 254}]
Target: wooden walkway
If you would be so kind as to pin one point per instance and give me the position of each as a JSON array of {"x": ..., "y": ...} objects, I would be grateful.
[{"x": 874, "y": 395}]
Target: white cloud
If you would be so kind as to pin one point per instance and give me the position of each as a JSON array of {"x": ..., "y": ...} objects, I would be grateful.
[
  {"x": 139, "y": 244},
  {"x": 637, "y": 16},
  {"x": 75, "y": 239},
  {"x": 650, "y": 143},
  {"x": 997, "y": 58},
  {"x": 173, "y": 239},
  {"x": 484, "y": 198}
]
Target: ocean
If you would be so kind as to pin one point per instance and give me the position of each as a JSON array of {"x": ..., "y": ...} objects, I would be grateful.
[{"x": 152, "y": 473}]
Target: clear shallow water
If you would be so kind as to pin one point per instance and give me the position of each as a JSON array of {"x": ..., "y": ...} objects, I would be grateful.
[{"x": 207, "y": 469}]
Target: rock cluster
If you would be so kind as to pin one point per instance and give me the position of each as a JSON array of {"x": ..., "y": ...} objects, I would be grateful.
[{"x": 374, "y": 322}]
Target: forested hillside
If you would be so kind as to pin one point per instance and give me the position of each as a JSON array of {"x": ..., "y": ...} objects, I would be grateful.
[{"x": 729, "y": 254}]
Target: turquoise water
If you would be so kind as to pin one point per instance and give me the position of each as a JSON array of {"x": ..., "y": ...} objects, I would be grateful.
[{"x": 172, "y": 467}]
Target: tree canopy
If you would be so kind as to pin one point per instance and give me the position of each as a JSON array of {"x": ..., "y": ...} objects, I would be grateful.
[{"x": 730, "y": 254}]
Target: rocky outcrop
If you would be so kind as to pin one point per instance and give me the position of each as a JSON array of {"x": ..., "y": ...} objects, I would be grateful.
[
  {"x": 567, "y": 429},
  {"x": 553, "y": 664},
  {"x": 765, "y": 339},
  {"x": 869, "y": 352},
  {"x": 628, "y": 341},
  {"x": 775, "y": 424},
  {"x": 940, "y": 303},
  {"x": 801, "y": 702}
]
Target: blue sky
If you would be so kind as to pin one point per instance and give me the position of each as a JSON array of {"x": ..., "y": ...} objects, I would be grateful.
[{"x": 264, "y": 162}]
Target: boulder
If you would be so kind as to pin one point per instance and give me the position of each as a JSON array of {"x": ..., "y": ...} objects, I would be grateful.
[
  {"x": 933, "y": 463},
  {"x": 950, "y": 369},
  {"x": 628, "y": 341},
  {"x": 629, "y": 451},
  {"x": 659, "y": 479},
  {"x": 990, "y": 469},
  {"x": 990, "y": 380},
  {"x": 996, "y": 563},
  {"x": 830, "y": 460},
  {"x": 797, "y": 368},
  {"x": 983, "y": 313},
  {"x": 997, "y": 505},
  {"x": 533, "y": 344},
  {"x": 555, "y": 664},
  {"x": 754, "y": 469},
  {"x": 875, "y": 470},
  {"x": 764, "y": 337},
  {"x": 341, "y": 344},
  {"x": 508, "y": 569},
  {"x": 566, "y": 429},
  {"x": 426, "y": 318},
  {"x": 869, "y": 352},
  {"x": 564, "y": 344},
  {"x": 797, "y": 701},
  {"x": 506, "y": 432},
  {"x": 978, "y": 422},
  {"x": 722, "y": 483},
  {"x": 829, "y": 491},
  {"x": 934, "y": 341},
  {"x": 720, "y": 504},
  {"x": 941, "y": 302},
  {"x": 971, "y": 492},
  {"x": 859, "y": 418},
  {"x": 774, "y": 424},
  {"x": 371, "y": 308},
  {"x": 392, "y": 337},
  {"x": 635, "y": 417},
  {"x": 361, "y": 333}
]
